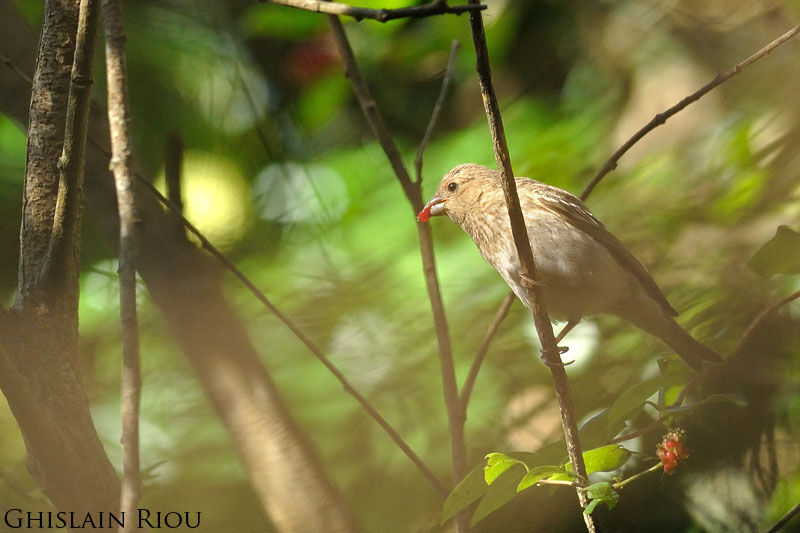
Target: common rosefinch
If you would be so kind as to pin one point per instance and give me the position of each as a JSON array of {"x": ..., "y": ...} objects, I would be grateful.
[{"x": 584, "y": 269}]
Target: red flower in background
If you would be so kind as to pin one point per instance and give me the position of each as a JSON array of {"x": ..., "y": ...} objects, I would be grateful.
[{"x": 311, "y": 60}]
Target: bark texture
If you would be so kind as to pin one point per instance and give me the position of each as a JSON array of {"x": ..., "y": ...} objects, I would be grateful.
[
  {"x": 39, "y": 335},
  {"x": 283, "y": 465}
]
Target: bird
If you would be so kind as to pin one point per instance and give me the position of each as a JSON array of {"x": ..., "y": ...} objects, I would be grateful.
[{"x": 582, "y": 268}]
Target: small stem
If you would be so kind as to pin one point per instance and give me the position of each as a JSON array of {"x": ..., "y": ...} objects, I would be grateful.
[
  {"x": 436, "y": 7},
  {"x": 455, "y": 414},
  {"x": 556, "y": 482},
  {"x": 437, "y": 109},
  {"x": 121, "y": 166},
  {"x": 173, "y": 162},
  {"x": 480, "y": 354},
  {"x": 784, "y": 519},
  {"x": 662, "y": 117},
  {"x": 761, "y": 317},
  {"x": 541, "y": 319},
  {"x": 620, "y": 484}
]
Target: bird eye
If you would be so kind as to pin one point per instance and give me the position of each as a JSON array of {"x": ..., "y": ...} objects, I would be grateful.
[{"x": 452, "y": 185}]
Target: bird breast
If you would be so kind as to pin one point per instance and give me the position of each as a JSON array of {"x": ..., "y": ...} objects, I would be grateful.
[{"x": 579, "y": 275}]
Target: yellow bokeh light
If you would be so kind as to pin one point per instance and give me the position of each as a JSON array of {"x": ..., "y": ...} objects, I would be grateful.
[{"x": 216, "y": 197}]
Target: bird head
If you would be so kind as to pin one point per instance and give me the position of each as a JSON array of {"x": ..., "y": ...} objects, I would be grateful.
[{"x": 460, "y": 191}]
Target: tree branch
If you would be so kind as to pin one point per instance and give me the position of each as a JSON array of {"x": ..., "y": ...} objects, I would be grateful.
[
  {"x": 413, "y": 191},
  {"x": 483, "y": 348},
  {"x": 437, "y": 109},
  {"x": 173, "y": 162},
  {"x": 662, "y": 117},
  {"x": 761, "y": 317},
  {"x": 62, "y": 257},
  {"x": 39, "y": 334},
  {"x": 10, "y": 64},
  {"x": 436, "y": 7},
  {"x": 303, "y": 338},
  {"x": 121, "y": 166},
  {"x": 66, "y": 457},
  {"x": 541, "y": 318},
  {"x": 784, "y": 519}
]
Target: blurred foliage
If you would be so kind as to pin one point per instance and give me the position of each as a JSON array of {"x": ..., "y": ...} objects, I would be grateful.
[{"x": 315, "y": 217}]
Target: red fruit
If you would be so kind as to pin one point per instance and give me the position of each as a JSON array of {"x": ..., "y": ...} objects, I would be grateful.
[
  {"x": 424, "y": 215},
  {"x": 672, "y": 450}
]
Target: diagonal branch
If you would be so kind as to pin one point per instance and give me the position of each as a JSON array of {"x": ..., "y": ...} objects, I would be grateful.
[
  {"x": 261, "y": 297},
  {"x": 483, "y": 348},
  {"x": 436, "y": 7},
  {"x": 761, "y": 317},
  {"x": 65, "y": 455},
  {"x": 541, "y": 318},
  {"x": 777, "y": 526},
  {"x": 413, "y": 191},
  {"x": 662, "y": 117},
  {"x": 437, "y": 109},
  {"x": 299, "y": 333}
]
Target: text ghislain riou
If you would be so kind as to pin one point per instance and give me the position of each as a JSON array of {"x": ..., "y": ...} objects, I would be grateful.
[{"x": 19, "y": 519}]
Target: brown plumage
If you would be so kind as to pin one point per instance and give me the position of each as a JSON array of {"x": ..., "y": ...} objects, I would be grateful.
[{"x": 584, "y": 269}]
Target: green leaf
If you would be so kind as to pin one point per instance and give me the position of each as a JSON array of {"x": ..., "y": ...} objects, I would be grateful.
[
  {"x": 597, "y": 430},
  {"x": 497, "y": 463},
  {"x": 631, "y": 401},
  {"x": 605, "y": 458},
  {"x": 534, "y": 475},
  {"x": 734, "y": 398},
  {"x": 602, "y": 492},
  {"x": 504, "y": 486},
  {"x": 779, "y": 255},
  {"x": 601, "y": 459},
  {"x": 468, "y": 490},
  {"x": 589, "y": 509},
  {"x": 500, "y": 493}
]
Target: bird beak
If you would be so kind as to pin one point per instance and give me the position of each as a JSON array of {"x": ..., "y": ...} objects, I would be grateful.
[{"x": 432, "y": 209}]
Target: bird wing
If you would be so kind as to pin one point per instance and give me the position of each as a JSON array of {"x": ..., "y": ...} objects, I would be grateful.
[{"x": 575, "y": 212}]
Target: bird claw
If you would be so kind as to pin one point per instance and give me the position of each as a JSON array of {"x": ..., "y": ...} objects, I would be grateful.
[{"x": 559, "y": 363}]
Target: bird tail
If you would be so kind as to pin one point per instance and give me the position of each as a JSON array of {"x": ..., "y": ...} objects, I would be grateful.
[{"x": 695, "y": 354}]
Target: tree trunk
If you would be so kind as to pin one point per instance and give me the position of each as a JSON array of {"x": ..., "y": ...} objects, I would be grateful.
[
  {"x": 39, "y": 334},
  {"x": 283, "y": 466}
]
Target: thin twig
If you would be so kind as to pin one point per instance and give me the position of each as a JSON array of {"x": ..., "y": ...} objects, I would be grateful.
[
  {"x": 621, "y": 484},
  {"x": 661, "y": 118},
  {"x": 173, "y": 163},
  {"x": 541, "y": 319},
  {"x": 697, "y": 378},
  {"x": 784, "y": 519},
  {"x": 436, "y": 7},
  {"x": 749, "y": 330},
  {"x": 568, "y": 483},
  {"x": 483, "y": 348},
  {"x": 261, "y": 297},
  {"x": 638, "y": 433},
  {"x": 10, "y": 64},
  {"x": 456, "y": 416},
  {"x": 761, "y": 317},
  {"x": 437, "y": 109},
  {"x": 121, "y": 164},
  {"x": 315, "y": 350},
  {"x": 69, "y": 200}
]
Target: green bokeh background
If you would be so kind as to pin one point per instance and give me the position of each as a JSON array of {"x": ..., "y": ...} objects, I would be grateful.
[{"x": 318, "y": 221}]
